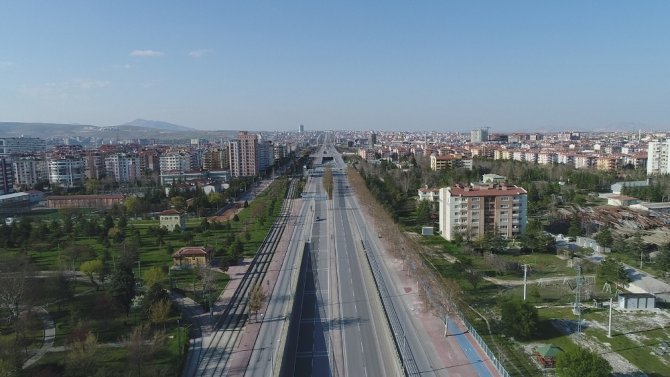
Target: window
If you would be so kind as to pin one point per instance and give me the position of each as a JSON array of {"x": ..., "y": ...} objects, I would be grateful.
[
  {"x": 504, "y": 198},
  {"x": 474, "y": 199},
  {"x": 474, "y": 206},
  {"x": 504, "y": 206}
]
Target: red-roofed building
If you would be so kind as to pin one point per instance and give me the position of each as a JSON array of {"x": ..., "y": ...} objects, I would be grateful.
[
  {"x": 473, "y": 211},
  {"x": 191, "y": 256},
  {"x": 172, "y": 219}
]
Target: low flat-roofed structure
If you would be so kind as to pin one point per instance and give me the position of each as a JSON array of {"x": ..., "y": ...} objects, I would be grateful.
[
  {"x": 639, "y": 301},
  {"x": 84, "y": 201}
]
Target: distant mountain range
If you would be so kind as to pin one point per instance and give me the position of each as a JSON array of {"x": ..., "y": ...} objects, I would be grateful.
[
  {"x": 139, "y": 128},
  {"x": 157, "y": 124}
]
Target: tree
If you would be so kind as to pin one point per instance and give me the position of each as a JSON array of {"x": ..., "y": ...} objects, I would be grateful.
[
  {"x": 155, "y": 275},
  {"x": 581, "y": 362},
  {"x": 91, "y": 267},
  {"x": 159, "y": 312},
  {"x": 81, "y": 360},
  {"x": 141, "y": 346},
  {"x": 14, "y": 274},
  {"x": 604, "y": 237},
  {"x": 612, "y": 271},
  {"x": 75, "y": 253},
  {"x": 423, "y": 212},
  {"x": 155, "y": 294},
  {"x": 256, "y": 299},
  {"x": 519, "y": 318},
  {"x": 122, "y": 286},
  {"x": 216, "y": 199},
  {"x": 178, "y": 203}
]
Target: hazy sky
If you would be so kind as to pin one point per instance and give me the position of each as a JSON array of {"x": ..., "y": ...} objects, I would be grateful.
[{"x": 385, "y": 65}]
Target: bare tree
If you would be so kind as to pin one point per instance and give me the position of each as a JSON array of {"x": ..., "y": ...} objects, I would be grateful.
[
  {"x": 142, "y": 346},
  {"x": 14, "y": 275},
  {"x": 81, "y": 360},
  {"x": 256, "y": 299}
]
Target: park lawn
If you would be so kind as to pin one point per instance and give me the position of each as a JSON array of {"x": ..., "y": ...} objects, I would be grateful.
[{"x": 641, "y": 354}]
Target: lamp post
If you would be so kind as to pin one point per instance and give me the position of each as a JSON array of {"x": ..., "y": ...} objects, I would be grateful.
[{"x": 179, "y": 338}]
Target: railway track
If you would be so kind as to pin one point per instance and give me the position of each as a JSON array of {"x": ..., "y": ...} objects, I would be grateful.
[{"x": 216, "y": 356}]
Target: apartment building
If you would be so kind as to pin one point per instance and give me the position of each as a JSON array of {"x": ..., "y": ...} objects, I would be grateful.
[
  {"x": 19, "y": 145},
  {"x": 6, "y": 177},
  {"x": 66, "y": 171},
  {"x": 657, "y": 157},
  {"x": 29, "y": 170},
  {"x": 476, "y": 210},
  {"x": 244, "y": 155},
  {"x": 175, "y": 162},
  {"x": 123, "y": 167}
]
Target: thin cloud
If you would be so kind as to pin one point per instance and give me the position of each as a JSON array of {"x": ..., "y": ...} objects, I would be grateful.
[
  {"x": 6, "y": 63},
  {"x": 200, "y": 53},
  {"x": 63, "y": 90},
  {"x": 146, "y": 53}
]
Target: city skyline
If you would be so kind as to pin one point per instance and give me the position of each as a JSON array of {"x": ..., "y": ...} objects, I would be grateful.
[{"x": 518, "y": 66}]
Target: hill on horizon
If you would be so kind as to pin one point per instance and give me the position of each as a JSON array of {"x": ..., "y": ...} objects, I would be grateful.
[{"x": 144, "y": 123}]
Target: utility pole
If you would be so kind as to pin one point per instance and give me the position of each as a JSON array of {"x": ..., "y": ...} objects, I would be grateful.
[
  {"x": 446, "y": 325},
  {"x": 525, "y": 280},
  {"x": 609, "y": 326}
]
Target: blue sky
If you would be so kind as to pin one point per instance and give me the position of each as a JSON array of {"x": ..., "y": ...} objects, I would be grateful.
[{"x": 383, "y": 65}]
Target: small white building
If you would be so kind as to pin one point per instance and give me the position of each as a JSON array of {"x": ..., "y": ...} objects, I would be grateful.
[
  {"x": 429, "y": 194},
  {"x": 637, "y": 301},
  {"x": 172, "y": 219}
]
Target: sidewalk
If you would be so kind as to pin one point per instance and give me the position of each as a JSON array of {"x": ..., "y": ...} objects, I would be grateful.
[{"x": 244, "y": 349}]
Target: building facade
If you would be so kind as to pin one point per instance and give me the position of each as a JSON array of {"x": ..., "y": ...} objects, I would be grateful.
[
  {"x": 172, "y": 219},
  {"x": 6, "y": 177},
  {"x": 67, "y": 171},
  {"x": 123, "y": 167},
  {"x": 473, "y": 211},
  {"x": 30, "y": 170},
  {"x": 20, "y": 145},
  {"x": 657, "y": 157},
  {"x": 244, "y": 155}
]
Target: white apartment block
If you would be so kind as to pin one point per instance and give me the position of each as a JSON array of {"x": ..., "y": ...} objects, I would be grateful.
[
  {"x": 123, "y": 167},
  {"x": 474, "y": 211},
  {"x": 175, "y": 162},
  {"x": 29, "y": 170},
  {"x": 19, "y": 145},
  {"x": 657, "y": 157},
  {"x": 67, "y": 172}
]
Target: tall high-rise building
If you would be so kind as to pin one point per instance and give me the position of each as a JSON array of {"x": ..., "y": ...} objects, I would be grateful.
[
  {"x": 301, "y": 128},
  {"x": 123, "y": 167},
  {"x": 6, "y": 177},
  {"x": 479, "y": 135},
  {"x": 244, "y": 155},
  {"x": 373, "y": 138},
  {"x": 657, "y": 157},
  {"x": 265, "y": 154},
  {"x": 473, "y": 211}
]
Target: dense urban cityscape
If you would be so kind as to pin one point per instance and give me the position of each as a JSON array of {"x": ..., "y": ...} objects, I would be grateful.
[
  {"x": 334, "y": 189},
  {"x": 174, "y": 231}
]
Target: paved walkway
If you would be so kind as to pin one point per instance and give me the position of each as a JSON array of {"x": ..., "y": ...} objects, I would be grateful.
[
  {"x": 49, "y": 336},
  {"x": 458, "y": 352}
]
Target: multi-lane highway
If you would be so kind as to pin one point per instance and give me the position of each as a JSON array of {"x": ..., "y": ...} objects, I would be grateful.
[{"x": 336, "y": 308}]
